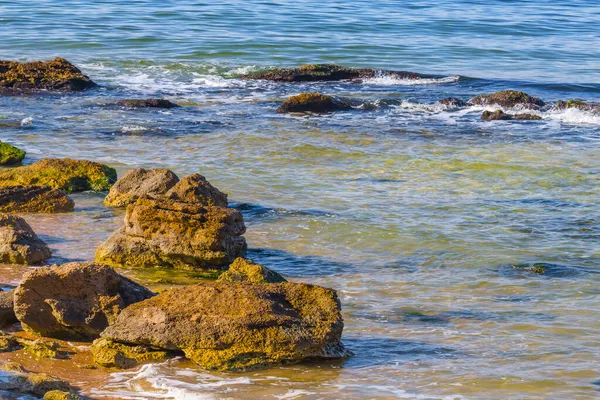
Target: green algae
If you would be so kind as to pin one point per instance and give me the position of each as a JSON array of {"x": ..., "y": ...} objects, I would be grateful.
[{"x": 10, "y": 155}]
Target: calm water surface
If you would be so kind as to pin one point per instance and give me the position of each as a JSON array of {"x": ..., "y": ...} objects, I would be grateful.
[{"x": 421, "y": 217}]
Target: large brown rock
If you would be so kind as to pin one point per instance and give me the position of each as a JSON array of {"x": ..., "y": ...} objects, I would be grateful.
[
  {"x": 7, "y": 312},
  {"x": 138, "y": 183},
  {"x": 326, "y": 72},
  {"x": 74, "y": 301},
  {"x": 19, "y": 244},
  {"x": 55, "y": 75},
  {"x": 235, "y": 325},
  {"x": 29, "y": 199},
  {"x": 175, "y": 234}
]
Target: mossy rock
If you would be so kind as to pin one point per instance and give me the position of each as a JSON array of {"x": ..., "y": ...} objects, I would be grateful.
[
  {"x": 18, "y": 242},
  {"x": 10, "y": 155},
  {"x": 313, "y": 102},
  {"x": 577, "y": 104},
  {"x": 65, "y": 174},
  {"x": 61, "y": 395},
  {"x": 325, "y": 72},
  {"x": 34, "y": 199},
  {"x": 527, "y": 117},
  {"x": 508, "y": 99},
  {"x": 9, "y": 343},
  {"x": 242, "y": 270},
  {"x": 110, "y": 354},
  {"x": 495, "y": 116},
  {"x": 54, "y": 75},
  {"x": 44, "y": 349}
]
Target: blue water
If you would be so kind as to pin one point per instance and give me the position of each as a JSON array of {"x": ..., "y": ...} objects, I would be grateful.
[{"x": 424, "y": 218}]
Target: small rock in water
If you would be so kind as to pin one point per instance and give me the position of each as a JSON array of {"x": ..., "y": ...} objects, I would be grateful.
[
  {"x": 242, "y": 270},
  {"x": 452, "y": 102},
  {"x": 495, "y": 116},
  {"x": 34, "y": 199},
  {"x": 10, "y": 155},
  {"x": 19, "y": 244},
  {"x": 508, "y": 99},
  {"x": 146, "y": 103},
  {"x": 313, "y": 102}
]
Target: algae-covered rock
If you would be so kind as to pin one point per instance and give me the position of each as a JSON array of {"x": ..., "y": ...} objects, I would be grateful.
[
  {"x": 527, "y": 117},
  {"x": 175, "y": 234},
  {"x": 43, "y": 349},
  {"x": 74, "y": 301},
  {"x": 9, "y": 343},
  {"x": 7, "y": 312},
  {"x": 508, "y": 99},
  {"x": 138, "y": 183},
  {"x": 34, "y": 199},
  {"x": 23, "y": 381},
  {"x": 452, "y": 102},
  {"x": 577, "y": 104},
  {"x": 10, "y": 155},
  {"x": 146, "y": 103},
  {"x": 61, "y": 395},
  {"x": 66, "y": 174},
  {"x": 19, "y": 244},
  {"x": 195, "y": 189},
  {"x": 313, "y": 102},
  {"x": 499, "y": 115},
  {"x": 326, "y": 72},
  {"x": 55, "y": 75},
  {"x": 237, "y": 325},
  {"x": 242, "y": 270},
  {"x": 110, "y": 354}
]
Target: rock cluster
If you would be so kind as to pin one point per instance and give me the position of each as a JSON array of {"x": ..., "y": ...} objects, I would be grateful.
[{"x": 18, "y": 242}]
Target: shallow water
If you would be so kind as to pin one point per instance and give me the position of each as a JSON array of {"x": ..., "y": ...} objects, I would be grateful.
[{"x": 425, "y": 219}]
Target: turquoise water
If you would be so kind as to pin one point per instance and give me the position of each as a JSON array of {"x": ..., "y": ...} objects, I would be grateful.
[{"x": 420, "y": 216}]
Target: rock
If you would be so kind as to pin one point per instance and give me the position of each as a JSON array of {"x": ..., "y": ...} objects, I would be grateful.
[
  {"x": 61, "y": 395},
  {"x": 10, "y": 155},
  {"x": 312, "y": 102},
  {"x": 527, "y": 117},
  {"x": 578, "y": 104},
  {"x": 232, "y": 326},
  {"x": 495, "y": 116},
  {"x": 19, "y": 244},
  {"x": 195, "y": 189},
  {"x": 452, "y": 102},
  {"x": 110, "y": 354},
  {"x": 7, "y": 313},
  {"x": 508, "y": 99},
  {"x": 147, "y": 103},
  {"x": 138, "y": 183},
  {"x": 326, "y": 72},
  {"x": 9, "y": 343},
  {"x": 34, "y": 199},
  {"x": 66, "y": 174},
  {"x": 24, "y": 381},
  {"x": 175, "y": 234},
  {"x": 242, "y": 270},
  {"x": 55, "y": 75},
  {"x": 43, "y": 349},
  {"x": 74, "y": 301}
]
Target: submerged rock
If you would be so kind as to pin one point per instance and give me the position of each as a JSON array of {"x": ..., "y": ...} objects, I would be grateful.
[
  {"x": 313, "y": 102},
  {"x": 23, "y": 381},
  {"x": 7, "y": 313},
  {"x": 10, "y": 155},
  {"x": 110, "y": 354},
  {"x": 34, "y": 199},
  {"x": 66, "y": 174},
  {"x": 452, "y": 102},
  {"x": 56, "y": 75},
  {"x": 326, "y": 72},
  {"x": 527, "y": 117},
  {"x": 237, "y": 326},
  {"x": 242, "y": 270},
  {"x": 74, "y": 301},
  {"x": 146, "y": 103},
  {"x": 138, "y": 183},
  {"x": 508, "y": 99},
  {"x": 502, "y": 116},
  {"x": 19, "y": 244}
]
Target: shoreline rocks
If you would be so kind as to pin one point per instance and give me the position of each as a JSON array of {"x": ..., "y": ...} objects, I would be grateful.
[
  {"x": 235, "y": 326},
  {"x": 19, "y": 244},
  {"x": 54, "y": 75},
  {"x": 65, "y": 174},
  {"x": 326, "y": 72},
  {"x": 312, "y": 102},
  {"x": 74, "y": 301},
  {"x": 10, "y": 155},
  {"x": 34, "y": 199},
  {"x": 508, "y": 99}
]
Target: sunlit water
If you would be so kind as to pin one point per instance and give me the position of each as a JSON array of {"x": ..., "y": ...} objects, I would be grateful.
[{"x": 416, "y": 214}]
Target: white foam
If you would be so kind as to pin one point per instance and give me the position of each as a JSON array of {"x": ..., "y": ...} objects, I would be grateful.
[
  {"x": 27, "y": 121},
  {"x": 574, "y": 116},
  {"x": 390, "y": 80},
  {"x": 133, "y": 128}
]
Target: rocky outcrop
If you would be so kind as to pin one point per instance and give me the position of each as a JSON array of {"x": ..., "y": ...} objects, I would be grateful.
[
  {"x": 54, "y": 75},
  {"x": 235, "y": 325},
  {"x": 10, "y": 155},
  {"x": 23, "y": 381},
  {"x": 146, "y": 103},
  {"x": 34, "y": 199},
  {"x": 110, "y": 354},
  {"x": 189, "y": 227},
  {"x": 508, "y": 99},
  {"x": 7, "y": 313},
  {"x": 313, "y": 102},
  {"x": 74, "y": 301},
  {"x": 138, "y": 183},
  {"x": 66, "y": 174},
  {"x": 452, "y": 102},
  {"x": 242, "y": 270},
  {"x": 326, "y": 72},
  {"x": 19, "y": 244},
  {"x": 499, "y": 115}
]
